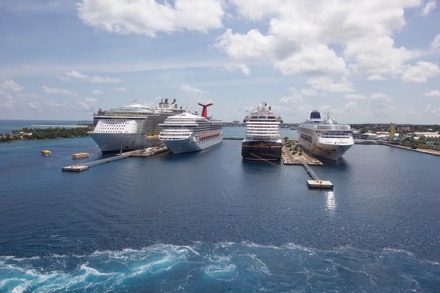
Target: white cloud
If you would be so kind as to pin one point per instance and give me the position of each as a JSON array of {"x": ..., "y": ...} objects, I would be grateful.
[
  {"x": 432, "y": 110},
  {"x": 381, "y": 105},
  {"x": 251, "y": 45},
  {"x": 120, "y": 89},
  {"x": 302, "y": 36},
  {"x": 10, "y": 85},
  {"x": 148, "y": 17},
  {"x": 9, "y": 90},
  {"x": 381, "y": 97},
  {"x": 433, "y": 93},
  {"x": 190, "y": 89},
  {"x": 316, "y": 59},
  {"x": 376, "y": 77},
  {"x": 97, "y": 92},
  {"x": 326, "y": 84},
  {"x": 75, "y": 74},
  {"x": 421, "y": 72},
  {"x": 428, "y": 8},
  {"x": 378, "y": 56},
  {"x": 87, "y": 103},
  {"x": 436, "y": 42},
  {"x": 355, "y": 97},
  {"x": 243, "y": 68},
  {"x": 90, "y": 78},
  {"x": 294, "y": 98},
  {"x": 58, "y": 91}
]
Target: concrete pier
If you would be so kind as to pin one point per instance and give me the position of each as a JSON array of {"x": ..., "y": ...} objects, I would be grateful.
[
  {"x": 316, "y": 182},
  {"x": 137, "y": 153},
  {"x": 296, "y": 159}
]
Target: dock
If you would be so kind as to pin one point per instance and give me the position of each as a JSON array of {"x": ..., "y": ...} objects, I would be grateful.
[
  {"x": 316, "y": 182},
  {"x": 306, "y": 160},
  {"x": 137, "y": 153},
  {"x": 298, "y": 159}
]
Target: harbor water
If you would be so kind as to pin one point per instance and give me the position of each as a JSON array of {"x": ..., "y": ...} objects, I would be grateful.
[{"x": 211, "y": 222}]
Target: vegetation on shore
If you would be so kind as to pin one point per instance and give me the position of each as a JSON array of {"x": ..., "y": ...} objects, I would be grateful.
[
  {"x": 293, "y": 146},
  {"x": 45, "y": 133}
]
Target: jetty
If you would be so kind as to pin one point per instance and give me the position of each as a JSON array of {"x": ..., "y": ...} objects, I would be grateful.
[
  {"x": 316, "y": 182},
  {"x": 306, "y": 160},
  {"x": 298, "y": 159},
  {"x": 136, "y": 153}
]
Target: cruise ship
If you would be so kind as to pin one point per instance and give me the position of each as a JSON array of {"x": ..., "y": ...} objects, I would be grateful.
[
  {"x": 263, "y": 141},
  {"x": 187, "y": 132},
  {"x": 131, "y": 127},
  {"x": 325, "y": 138}
]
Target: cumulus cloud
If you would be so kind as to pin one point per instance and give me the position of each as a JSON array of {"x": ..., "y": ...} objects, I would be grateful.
[
  {"x": 243, "y": 68},
  {"x": 428, "y": 8},
  {"x": 432, "y": 110},
  {"x": 376, "y": 77},
  {"x": 436, "y": 42},
  {"x": 191, "y": 89},
  {"x": 355, "y": 97},
  {"x": 10, "y": 85},
  {"x": 302, "y": 36},
  {"x": 294, "y": 98},
  {"x": 9, "y": 89},
  {"x": 433, "y": 93},
  {"x": 328, "y": 85},
  {"x": 120, "y": 89},
  {"x": 97, "y": 92},
  {"x": 87, "y": 103},
  {"x": 421, "y": 72},
  {"x": 58, "y": 91},
  {"x": 90, "y": 78},
  {"x": 148, "y": 17},
  {"x": 381, "y": 105}
]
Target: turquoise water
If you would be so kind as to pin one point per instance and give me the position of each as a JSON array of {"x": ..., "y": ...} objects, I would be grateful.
[{"x": 209, "y": 221}]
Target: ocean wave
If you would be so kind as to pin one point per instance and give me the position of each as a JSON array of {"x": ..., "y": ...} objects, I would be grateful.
[{"x": 224, "y": 266}]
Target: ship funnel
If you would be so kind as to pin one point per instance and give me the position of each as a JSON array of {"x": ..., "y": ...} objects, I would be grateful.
[
  {"x": 205, "y": 109},
  {"x": 315, "y": 115}
]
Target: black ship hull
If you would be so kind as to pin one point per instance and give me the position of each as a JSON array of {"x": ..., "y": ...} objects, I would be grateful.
[{"x": 261, "y": 150}]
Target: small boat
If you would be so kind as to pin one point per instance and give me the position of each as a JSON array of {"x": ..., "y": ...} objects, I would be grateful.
[
  {"x": 80, "y": 155},
  {"x": 46, "y": 153}
]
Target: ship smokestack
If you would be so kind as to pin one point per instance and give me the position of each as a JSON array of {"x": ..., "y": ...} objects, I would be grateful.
[{"x": 205, "y": 109}]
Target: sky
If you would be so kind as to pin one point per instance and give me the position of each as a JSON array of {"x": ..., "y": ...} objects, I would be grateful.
[{"x": 369, "y": 61}]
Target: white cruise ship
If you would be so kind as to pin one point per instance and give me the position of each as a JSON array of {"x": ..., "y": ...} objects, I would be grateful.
[
  {"x": 187, "y": 132},
  {"x": 263, "y": 141},
  {"x": 325, "y": 138},
  {"x": 131, "y": 127}
]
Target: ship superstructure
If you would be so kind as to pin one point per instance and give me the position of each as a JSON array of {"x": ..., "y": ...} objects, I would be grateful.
[
  {"x": 325, "y": 138},
  {"x": 131, "y": 127},
  {"x": 263, "y": 141},
  {"x": 188, "y": 132}
]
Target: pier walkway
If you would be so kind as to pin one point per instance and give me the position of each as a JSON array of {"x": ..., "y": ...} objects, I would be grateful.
[
  {"x": 137, "y": 153},
  {"x": 316, "y": 182}
]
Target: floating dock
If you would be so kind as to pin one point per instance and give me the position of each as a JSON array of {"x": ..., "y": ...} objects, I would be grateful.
[
  {"x": 316, "y": 182},
  {"x": 137, "y": 153}
]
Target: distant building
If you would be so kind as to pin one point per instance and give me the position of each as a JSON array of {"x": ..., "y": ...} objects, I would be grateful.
[{"x": 427, "y": 134}]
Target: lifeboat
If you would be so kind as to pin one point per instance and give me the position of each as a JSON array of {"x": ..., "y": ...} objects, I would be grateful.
[
  {"x": 46, "y": 153},
  {"x": 80, "y": 155}
]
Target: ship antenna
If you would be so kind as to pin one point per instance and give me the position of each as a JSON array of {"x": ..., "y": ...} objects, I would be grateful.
[{"x": 205, "y": 109}]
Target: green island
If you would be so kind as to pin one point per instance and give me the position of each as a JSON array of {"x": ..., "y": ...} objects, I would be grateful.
[{"x": 45, "y": 133}]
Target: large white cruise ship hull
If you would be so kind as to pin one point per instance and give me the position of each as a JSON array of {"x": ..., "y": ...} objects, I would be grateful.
[
  {"x": 331, "y": 149},
  {"x": 115, "y": 142},
  {"x": 191, "y": 144}
]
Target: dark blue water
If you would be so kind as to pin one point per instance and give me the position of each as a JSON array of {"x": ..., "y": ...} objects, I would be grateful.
[{"x": 209, "y": 221}]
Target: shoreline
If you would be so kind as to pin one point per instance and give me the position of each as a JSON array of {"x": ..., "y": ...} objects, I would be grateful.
[{"x": 425, "y": 151}]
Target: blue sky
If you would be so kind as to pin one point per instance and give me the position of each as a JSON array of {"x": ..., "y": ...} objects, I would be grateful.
[{"x": 362, "y": 61}]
